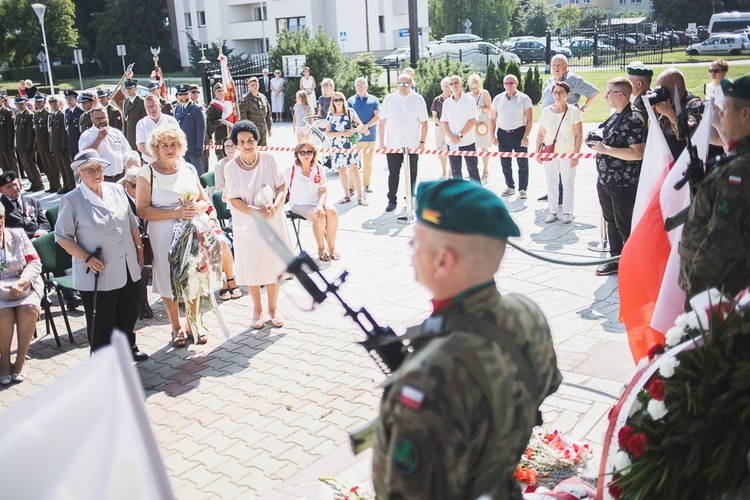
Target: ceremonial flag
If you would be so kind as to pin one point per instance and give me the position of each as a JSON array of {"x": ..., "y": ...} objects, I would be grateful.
[
  {"x": 650, "y": 298},
  {"x": 230, "y": 115}
]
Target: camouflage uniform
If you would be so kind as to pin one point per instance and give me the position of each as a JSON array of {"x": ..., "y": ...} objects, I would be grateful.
[
  {"x": 257, "y": 110},
  {"x": 456, "y": 416},
  {"x": 715, "y": 246}
]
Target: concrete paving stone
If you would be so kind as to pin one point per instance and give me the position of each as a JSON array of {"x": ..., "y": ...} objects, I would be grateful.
[
  {"x": 566, "y": 420},
  {"x": 211, "y": 372},
  {"x": 190, "y": 490},
  {"x": 590, "y": 418},
  {"x": 226, "y": 489},
  {"x": 268, "y": 463},
  {"x": 258, "y": 481},
  {"x": 291, "y": 402},
  {"x": 177, "y": 465},
  {"x": 324, "y": 448},
  {"x": 187, "y": 446},
  {"x": 578, "y": 343},
  {"x": 243, "y": 452},
  {"x": 299, "y": 454},
  {"x": 613, "y": 387}
]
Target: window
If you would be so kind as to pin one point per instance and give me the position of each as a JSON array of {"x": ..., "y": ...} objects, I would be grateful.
[
  {"x": 586, "y": 1},
  {"x": 290, "y": 24},
  {"x": 201, "y": 14},
  {"x": 381, "y": 24},
  {"x": 621, "y": 2},
  {"x": 188, "y": 20},
  {"x": 261, "y": 14},
  {"x": 635, "y": 1}
]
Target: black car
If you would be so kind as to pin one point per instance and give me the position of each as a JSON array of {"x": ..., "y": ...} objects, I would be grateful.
[{"x": 529, "y": 50}]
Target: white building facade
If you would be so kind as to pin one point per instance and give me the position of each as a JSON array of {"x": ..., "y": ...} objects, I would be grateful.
[{"x": 377, "y": 26}]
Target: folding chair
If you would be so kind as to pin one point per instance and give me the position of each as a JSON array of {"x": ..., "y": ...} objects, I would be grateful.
[
  {"x": 54, "y": 260},
  {"x": 296, "y": 221}
]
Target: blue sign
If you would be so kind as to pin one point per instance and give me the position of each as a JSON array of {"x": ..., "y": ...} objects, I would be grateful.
[
  {"x": 403, "y": 33},
  {"x": 342, "y": 36}
]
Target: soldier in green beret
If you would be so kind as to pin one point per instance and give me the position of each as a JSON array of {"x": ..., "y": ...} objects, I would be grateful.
[
  {"x": 457, "y": 414},
  {"x": 640, "y": 78},
  {"x": 716, "y": 237}
]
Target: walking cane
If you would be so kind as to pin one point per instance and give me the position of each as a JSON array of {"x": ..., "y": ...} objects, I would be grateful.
[{"x": 98, "y": 255}]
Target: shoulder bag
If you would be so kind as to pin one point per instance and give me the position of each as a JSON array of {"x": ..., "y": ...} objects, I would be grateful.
[
  {"x": 148, "y": 253},
  {"x": 550, "y": 148}
]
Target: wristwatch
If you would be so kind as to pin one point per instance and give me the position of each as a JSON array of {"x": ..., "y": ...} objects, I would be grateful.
[
  {"x": 460, "y": 136},
  {"x": 583, "y": 108}
]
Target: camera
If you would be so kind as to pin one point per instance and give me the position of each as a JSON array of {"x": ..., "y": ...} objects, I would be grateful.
[
  {"x": 658, "y": 95},
  {"x": 593, "y": 136}
]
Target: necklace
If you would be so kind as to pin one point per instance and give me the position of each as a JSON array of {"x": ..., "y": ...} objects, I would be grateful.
[{"x": 253, "y": 164}]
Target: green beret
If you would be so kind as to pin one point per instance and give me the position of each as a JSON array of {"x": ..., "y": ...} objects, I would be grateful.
[
  {"x": 739, "y": 87},
  {"x": 639, "y": 70},
  {"x": 464, "y": 207}
]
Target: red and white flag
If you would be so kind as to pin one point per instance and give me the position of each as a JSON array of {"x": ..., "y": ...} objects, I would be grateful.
[
  {"x": 230, "y": 115},
  {"x": 650, "y": 298},
  {"x": 158, "y": 75}
]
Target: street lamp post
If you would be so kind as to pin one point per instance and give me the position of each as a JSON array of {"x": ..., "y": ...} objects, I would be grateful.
[{"x": 39, "y": 9}]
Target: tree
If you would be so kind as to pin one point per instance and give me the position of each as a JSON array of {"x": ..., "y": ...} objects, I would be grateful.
[
  {"x": 116, "y": 25},
  {"x": 592, "y": 16},
  {"x": 85, "y": 10},
  {"x": 676, "y": 14},
  {"x": 568, "y": 17},
  {"x": 429, "y": 74},
  {"x": 211, "y": 52},
  {"x": 539, "y": 17},
  {"x": 490, "y": 18},
  {"x": 21, "y": 38},
  {"x": 492, "y": 83}
]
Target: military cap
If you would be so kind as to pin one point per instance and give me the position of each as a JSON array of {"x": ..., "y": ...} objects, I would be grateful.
[
  {"x": 463, "y": 207},
  {"x": 130, "y": 83},
  {"x": 7, "y": 177},
  {"x": 153, "y": 85},
  {"x": 739, "y": 87},
  {"x": 70, "y": 93},
  {"x": 86, "y": 97},
  {"x": 182, "y": 89},
  {"x": 637, "y": 68},
  {"x": 102, "y": 93},
  {"x": 194, "y": 87},
  {"x": 218, "y": 85},
  {"x": 88, "y": 156},
  {"x": 20, "y": 99},
  {"x": 39, "y": 97}
]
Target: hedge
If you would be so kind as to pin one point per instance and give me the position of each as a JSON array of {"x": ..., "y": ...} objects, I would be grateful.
[{"x": 62, "y": 72}]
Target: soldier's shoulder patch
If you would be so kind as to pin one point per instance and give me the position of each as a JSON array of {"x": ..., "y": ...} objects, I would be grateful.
[
  {"x": 734, "y": 180},
  {"x": 411, "y": 397},
  {"x": 724, "y": 207},
  {"x": 406, "y": 457}
]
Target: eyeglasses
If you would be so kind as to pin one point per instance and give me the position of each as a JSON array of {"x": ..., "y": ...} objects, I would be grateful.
[
  {"x": 306, "y": 152},
  {"x": 403, "y": 84},
  {"x": 230, "y": 146},
  {"x": 509, "y": 84},
  {"x": 93, "y": 170},
  {"x": 195, "y": 91},
  {"x": 613, "y": 92},
  {"x": 559, "y": 92},
  {"x": 454, "y": 83},
  {"x": 338, "y": 100},
  {"x": 151, "y": 107}
]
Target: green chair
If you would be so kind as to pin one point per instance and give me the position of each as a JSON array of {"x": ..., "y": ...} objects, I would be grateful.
[
  {"x": 51, "y": 214},
  {"x": 208, "y": 180},
  {"x": 54, "y": 260},
  {"x": 222, "y": 211}
]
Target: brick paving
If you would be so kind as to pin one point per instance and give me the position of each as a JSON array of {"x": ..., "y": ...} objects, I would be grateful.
[{"x": 266, "y": 413}]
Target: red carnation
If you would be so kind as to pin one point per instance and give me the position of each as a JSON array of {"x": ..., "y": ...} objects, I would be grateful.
[
  {"x": 657, "y": 389},
  {"x": 656, "y": 350},
  {"x": 615, "y": 491},
  {"x": 637, "y": 444},
  {"x": 623, "y": 436}
]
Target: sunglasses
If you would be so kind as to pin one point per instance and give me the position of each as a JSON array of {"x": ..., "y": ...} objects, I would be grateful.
[
  {"x": 402, "y": 84},
  {"x": 195, "y": 91},
  {"x": 306, "y": 152},
  {"x": 712, "y": 70},
  {"x": 509, "y": 84},
  {"x": 338, "y": 100}
]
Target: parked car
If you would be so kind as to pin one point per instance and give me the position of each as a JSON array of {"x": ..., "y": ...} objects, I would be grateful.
[
  {"x": 402, "y": 54},
  {"x": 510, "y": 42},
  {"x": 461, "y": 38},
  {"x": 477, "y": 54},
  {"x": 585, "y": 47},
  {"x": 723, "y": 45},
  {"x": 529, "y": 50}
]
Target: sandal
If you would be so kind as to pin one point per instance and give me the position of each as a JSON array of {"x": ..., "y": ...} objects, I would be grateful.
[
  {"x": 345, "y": 200},
  {"x": 235, "y": 291},
  {"x": 362, "y": 202},
  {"x": 485, "y": 176},
  {"x": 201, "y": 339},
  {"x": 224, "y": 293},
  {"x": 323, "y": 256},
  {"x": 277, "y": 321},
  {"x": 178, "y": 338},
  {"x": 258, "y": 322},
  {"x": 335, "y": 255}
]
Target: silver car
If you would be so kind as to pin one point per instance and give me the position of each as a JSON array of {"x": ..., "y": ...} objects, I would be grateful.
[{"x": 721, "y": 45}]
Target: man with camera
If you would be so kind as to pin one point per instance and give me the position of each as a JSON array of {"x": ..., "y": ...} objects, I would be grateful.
[
  {"x": 618, "y": 163},
  {"x": 663, "y": 101}
]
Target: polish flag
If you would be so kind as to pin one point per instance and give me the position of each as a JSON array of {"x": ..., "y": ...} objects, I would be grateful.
[
  {"x": 230, "y": 115},
  {"x": 650, "y": 297}
]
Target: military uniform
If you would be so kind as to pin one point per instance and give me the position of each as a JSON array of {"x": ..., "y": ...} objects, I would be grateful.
[
  {"x": 115, "y": 117},
  {"x": 257, "y": 110},
  {"x": 25, "y": 148},
  {"x": 457, "y": 414},
  {"x": 8, "y": 140},
  {"x": 86, "y": 122},
  {"x": 214, "y": 127},
  {"x": 59, "y": 151},
  {"x": 42, "y": 144},
  {"x": 190, "y": 118},
  {"x": 73, "y": 128},
  {"x": 132, "y": 112}
]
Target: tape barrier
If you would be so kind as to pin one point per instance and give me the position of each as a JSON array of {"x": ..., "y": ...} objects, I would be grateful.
[{"x": 436, "y": 152}]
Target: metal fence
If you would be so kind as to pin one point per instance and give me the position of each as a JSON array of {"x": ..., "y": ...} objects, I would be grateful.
[{"x": 240, "y": 68}]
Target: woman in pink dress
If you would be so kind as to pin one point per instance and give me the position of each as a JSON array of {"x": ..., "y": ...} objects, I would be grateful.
[{"x": 254, "y": 184}]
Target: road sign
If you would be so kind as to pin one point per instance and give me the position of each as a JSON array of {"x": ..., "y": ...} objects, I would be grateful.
[
  {"x": 121, "y": 50},
  {"x": 77, "y": 56},
  {"x": 342, "y": 36},
  {"x": 691, "y": 32},
  {"x": 403, "y": 32},
  {"x": 41, "y": 57}
]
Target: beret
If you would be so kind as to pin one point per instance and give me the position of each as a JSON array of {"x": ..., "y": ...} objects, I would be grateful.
[
  {"x": 463, "y": 207},
  {"x": 739, "y": 87},
  {"x": 7, "y": 177},
  {"x": 637, "y": 68}
]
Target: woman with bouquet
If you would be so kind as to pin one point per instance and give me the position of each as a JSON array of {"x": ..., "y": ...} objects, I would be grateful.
[
  {"x": 254, "y": 184},
  {"x": 168, "y": 191}
]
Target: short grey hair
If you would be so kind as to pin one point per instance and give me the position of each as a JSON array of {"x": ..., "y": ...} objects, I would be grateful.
[
  {"x": 559, "y": 57},
  {"x": 131, "y": 174},
  {"x": 444, "y": 82},
  {"x": 129, "y": 156}
]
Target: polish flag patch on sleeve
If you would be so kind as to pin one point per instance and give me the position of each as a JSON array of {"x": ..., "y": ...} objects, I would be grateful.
[
  {"x": 734, "y": 180},
  {"x": 411, "y": 397}
]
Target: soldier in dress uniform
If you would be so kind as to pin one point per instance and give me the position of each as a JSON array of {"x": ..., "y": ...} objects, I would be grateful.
[
  {"x": 58, "y": 144},
  {"x": 41, "y": 142},
  {"x": 716, "y": 237},
  {"x": 459, "y": 411},
  {"x": 87, "y": 103},
  {"x": 113, "y": 114},
  {"x": 133, "y": 110},
  {"x": 7, "y": 136},
  {"x": 191, "y": 120},
  {"x": 195, "y": 98},
  {"x": 214, "y": 127},
  {"x": 72, "y": 121},
  {"x": 255, "y": 107},
  {"x": 166, "y": 106},
  {"x": 25, "y": 144}
]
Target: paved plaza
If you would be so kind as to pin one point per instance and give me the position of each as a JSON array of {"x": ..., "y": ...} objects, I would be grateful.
[{"x": 267, "y": 412}]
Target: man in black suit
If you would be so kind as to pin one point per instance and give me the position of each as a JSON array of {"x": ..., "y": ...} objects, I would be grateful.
[
  {"x": 21, "y": 211},
  {"x": 264, "y": 83},
  {"x": 73, "y": 121}
]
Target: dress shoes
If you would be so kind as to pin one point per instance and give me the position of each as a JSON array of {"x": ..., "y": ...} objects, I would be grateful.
[
  {"x": 138, "y": 355},
  {"x": 146, "y": 311},
  {"x": 391, "y": 207}
]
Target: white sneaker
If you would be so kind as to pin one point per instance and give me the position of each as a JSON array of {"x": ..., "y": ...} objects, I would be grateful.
[
  {"x": 508, "y": 192},
  {"x": 567, "y": 218},
  {"x": 522, "y": 194},
  {"x": 551, "y": 218}
]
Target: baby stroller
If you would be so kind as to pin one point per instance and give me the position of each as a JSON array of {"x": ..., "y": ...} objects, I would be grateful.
[{"x": 318, "y": 133}]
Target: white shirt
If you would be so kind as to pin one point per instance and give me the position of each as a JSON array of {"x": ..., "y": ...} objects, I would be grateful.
[
  {"x": 511, "y": 111},
  {"x": 715, "y": 92},
  {"x": 106, "y": 201},
  {"x": 405, "y": 116},
  {"x": 457, "y": 114},
  {"x": 143, "y": 130},
  {"x": 112, "y": 148},
  {"x": 304, "y": 190}
]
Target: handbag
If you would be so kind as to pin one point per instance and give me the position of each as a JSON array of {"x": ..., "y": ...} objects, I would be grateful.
[
  {"x": 550, "y": 148},
  {"x": 148, "y": 252},
  {"x": 354, "y": 139},
  {"x": 5, "y": 285}
]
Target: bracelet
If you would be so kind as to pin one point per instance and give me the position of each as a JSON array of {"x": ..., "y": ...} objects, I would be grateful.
[
  {"x": 139, "y": 246},
  {"x": 421, "y": 142}
]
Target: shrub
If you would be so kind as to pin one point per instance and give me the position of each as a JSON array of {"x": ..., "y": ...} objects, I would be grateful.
[{"x": 429, "y": 74}]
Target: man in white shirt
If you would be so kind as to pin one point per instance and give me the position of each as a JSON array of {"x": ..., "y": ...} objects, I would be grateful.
[
  {"x": 458, "y": 120},
  {"x": 109, "y": 143},
  {"x": 154, "y": 117},
  {"x": 403, "y": 124},
  {"x": 511, "y": 117}
]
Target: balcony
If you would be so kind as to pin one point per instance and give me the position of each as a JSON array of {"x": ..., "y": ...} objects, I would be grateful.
[{"x": 248, "y": 30}]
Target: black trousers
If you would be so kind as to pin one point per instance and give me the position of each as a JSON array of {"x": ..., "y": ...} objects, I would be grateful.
[
  {"x": 114, "y": 309},
  {"x": 471, "y": 164},
  {"x": 617, "y": 208},
  {"x": 507, "y": 142},
  {"x": 394, "y": 173}
]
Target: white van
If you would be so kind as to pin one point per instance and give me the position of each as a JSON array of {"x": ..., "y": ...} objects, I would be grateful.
[
  {"x": 476, "y": 53},
  {"x": 727, "y": 22}
]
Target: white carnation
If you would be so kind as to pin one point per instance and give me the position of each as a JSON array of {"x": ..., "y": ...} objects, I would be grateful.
[
  {"x": 681, "y": 321},
  {"x": 694, "y": 321},
  {"x": 667, "y": 366},
  {"x": 674, "y": 336},
  {"x": 657, "y": 409},
  {"x": 642, "y": 363},
  {"x": 636, "y": 407},
  {"x": 621, "y": 461}
]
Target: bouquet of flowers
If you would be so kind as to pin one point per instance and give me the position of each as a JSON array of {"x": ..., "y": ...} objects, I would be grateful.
[
  {"x": 550, "y": 458},
  {"x": 682, "y": 427},
  {"x": 194, "y": 263}
]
